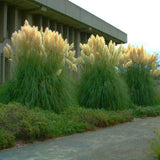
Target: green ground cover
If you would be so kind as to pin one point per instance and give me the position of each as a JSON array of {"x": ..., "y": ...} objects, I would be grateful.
[{"x": 18, "y": 122}]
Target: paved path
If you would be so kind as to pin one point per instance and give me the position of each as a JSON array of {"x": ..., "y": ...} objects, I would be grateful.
[{"x": 126, "y": 141}]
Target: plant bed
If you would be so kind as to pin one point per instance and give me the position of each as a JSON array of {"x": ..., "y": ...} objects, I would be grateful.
[{"x": 18, "y": 123}]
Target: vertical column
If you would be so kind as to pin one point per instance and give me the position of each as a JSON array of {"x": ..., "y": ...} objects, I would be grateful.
[
  {"x": 53, "y": 26},
  {"x": 3, "y": 36},
  {"x": 67, "y": 36},
  {"x": 84, "y": 37},
  {"x": 46, "y": 23},
  {"x": 28, "y": 17},
  {"x": 3, "y": 67},
  {"x": 3, "y": 20},
  {"x": 106, "y": 41},
  {"x": 13, "y": 20},
  {"x": 77, "y": 42},
  {"x": 71, "y": 35},
  {"x": 16, "y": 18},
  {"x": 19, "y": 23},
  {"x": 8, "y": 66},
  {"x": 60, "y": 29},
  {"x": 78, "y": 52},
  {"x": 66, "y": 33},
  {"x": 88, "y": 35},
  {"x": 38, "y": 21},
  {"x": 0, "y": 68}
]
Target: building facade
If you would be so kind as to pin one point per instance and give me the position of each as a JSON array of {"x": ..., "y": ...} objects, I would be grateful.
[{"x": 73, "y": 22}]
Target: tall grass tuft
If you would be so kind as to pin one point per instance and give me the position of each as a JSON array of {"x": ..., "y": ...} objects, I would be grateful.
[
  {"x": 40, "y": 76},
  {"x": 100, "y": 84},
  {"x": 155, "y": 145},
  {"x": 139, "y": 69}
]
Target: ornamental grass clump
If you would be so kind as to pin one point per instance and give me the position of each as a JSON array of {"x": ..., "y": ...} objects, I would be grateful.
[
  {"x": 154, "y": 148},
  {"x": 39, "y": 60},
  {"x": 100, "y": 85},
  {"x": 139, "y": 69}
]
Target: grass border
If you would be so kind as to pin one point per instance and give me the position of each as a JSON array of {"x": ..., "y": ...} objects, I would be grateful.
[{"x": 38, "y": 124}]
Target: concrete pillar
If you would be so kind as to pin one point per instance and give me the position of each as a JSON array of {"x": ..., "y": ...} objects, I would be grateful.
[
  {"x": 46, "y": 23},
  {"x": 60, "y": 29},
  {"x": 38, "y": 21},
  {"x": 71, "y": 35},
  {"x": 84, "y": 38},
  {"x": 88, "y": 35},
  {"x": 3, "y": 36},
  {"x": 2, "y": 68},
  {"x": 28, "y": 17},
  {"x": 7, "y": 69},
  {"x": 66, "y": 33},
  {"x": 19, "y": 22},
  {"x": 13, "y": 20},
  {"x": 3, "y": 20},
  {"x": 77, "y": 43},
  {"x": 53, "y": 25},
  {"x": 106, "y": 41}
]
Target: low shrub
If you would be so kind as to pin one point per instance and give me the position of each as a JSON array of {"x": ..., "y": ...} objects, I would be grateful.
[
  {"x": 155, "y": 145},
  {"x": 7, "y": 139},
  {"x": 25, "y": 124},
  {"x": 98, "y": 117},
  {"x": 22, "y": 123},
  {"x": 146, "y": 111},
  {"x": 37, "y": 124}
]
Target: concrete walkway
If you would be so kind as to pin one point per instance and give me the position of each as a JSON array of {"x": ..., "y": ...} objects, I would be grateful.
[{"x": 127, "y": 141}]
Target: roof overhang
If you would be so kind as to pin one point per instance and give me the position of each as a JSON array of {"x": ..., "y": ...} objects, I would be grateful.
[{"x": 64, "y": 11}]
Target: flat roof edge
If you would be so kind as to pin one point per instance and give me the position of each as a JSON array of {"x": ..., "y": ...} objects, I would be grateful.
[{"x": 75, "y": 12}]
